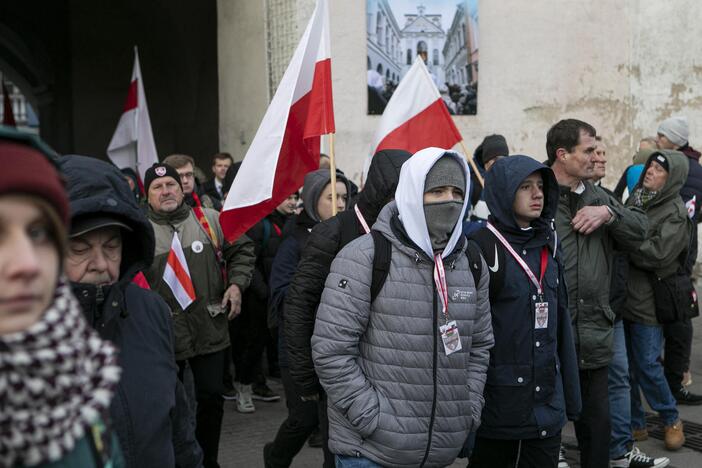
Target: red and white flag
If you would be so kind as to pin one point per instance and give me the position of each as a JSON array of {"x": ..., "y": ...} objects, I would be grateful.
[
  {"x": 177, "y": 276},
  {"x": 286, "y": 145},
  {"x": 133, "y": 145},
  {"x": 415, "y": 117}
]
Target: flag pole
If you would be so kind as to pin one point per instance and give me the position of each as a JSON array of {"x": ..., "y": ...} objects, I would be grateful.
[
  {"x": 472, "y": 164},
  {"x": 332, "y": 170}
]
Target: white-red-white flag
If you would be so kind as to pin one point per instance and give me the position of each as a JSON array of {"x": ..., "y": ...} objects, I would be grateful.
[
  {"x": 132, "y": 144},
  {"x": 177, "y": 276},
  {"x": 415, "y": 117},
  {"x": 286, "y": 145}
]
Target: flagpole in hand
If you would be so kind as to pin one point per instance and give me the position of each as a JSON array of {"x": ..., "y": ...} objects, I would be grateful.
[
  {"x": 473, "y": 166},
  {"x": 332, "y": 169}
]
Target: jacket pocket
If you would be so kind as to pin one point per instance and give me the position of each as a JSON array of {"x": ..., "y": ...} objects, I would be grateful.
[
  {"x": 364, "y": 412},
  {"x": 595, "y": 335},
  {"x": 508, "y": 395}
]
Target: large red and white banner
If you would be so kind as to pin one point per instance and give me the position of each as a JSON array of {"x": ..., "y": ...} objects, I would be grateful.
[
  {"x": 415, "y": 117},
  {"x": 177, "y": 275},
  {"x": 286, "y": 145},
  {"x": 132, "y": 144}
]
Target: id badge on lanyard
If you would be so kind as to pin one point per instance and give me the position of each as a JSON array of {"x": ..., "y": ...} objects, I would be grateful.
[{"x": 449, "y": 330}]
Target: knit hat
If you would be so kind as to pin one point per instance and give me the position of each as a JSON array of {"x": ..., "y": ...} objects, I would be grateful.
[
  {"x": 157, "y": 171},
  {"x": 446, "y": 171},
  {"x": 492, "y": 147},
  {"x": 660, "y": 159},
  {"x": 675, "y": 129},
  {"x": 30, "y": 171}
]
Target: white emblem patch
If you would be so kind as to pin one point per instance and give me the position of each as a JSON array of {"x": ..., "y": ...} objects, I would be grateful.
[
  {"x": 196, "y": 246},
  {"x": 160, "y": 171}
]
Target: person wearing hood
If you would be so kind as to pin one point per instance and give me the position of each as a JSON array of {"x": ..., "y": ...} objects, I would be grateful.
[
  {"x": 658, "y": 194},
  {"x": 58, "y": 378},
  {"x": 303, "y": 417},
  {"x": 219, "y": 272},
  {"x": 532, "y": 386},
  {"x": 404, "y": 370},
  {"x": 326, "y": 240},
  {"x": 110, "y": 242},
  {"x": 631, "y": 175}
]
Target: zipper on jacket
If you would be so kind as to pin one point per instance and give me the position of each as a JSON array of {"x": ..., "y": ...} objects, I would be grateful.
[{"x": 435, "y": 321}]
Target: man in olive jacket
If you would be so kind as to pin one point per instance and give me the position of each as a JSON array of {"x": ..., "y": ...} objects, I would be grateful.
[
  {"x": 588, "y": 220},
  {"x": 219, "y": 271}
]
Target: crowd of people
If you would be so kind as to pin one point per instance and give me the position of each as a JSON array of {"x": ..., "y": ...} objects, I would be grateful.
[{"x": 422, "y": 319}]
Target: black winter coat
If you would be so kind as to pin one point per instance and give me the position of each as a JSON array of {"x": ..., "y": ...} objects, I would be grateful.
[
  {"x": 150, "y": 411},
  {"x": 325, "y": 241}
]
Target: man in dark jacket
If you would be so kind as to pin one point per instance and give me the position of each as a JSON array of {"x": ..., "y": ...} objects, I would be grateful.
[
  {"x": 214, "y": 188},
  {"x": 326, "y": 240},
  {"x": 110, "y": 241},
  {"x": 526, "y": 403},
  {"x": 673, "y": 134},
  {"x": 588, "y": 220}
]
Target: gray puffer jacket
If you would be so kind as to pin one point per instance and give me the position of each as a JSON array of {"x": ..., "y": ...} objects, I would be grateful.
[{"x": 394, "y": 396}]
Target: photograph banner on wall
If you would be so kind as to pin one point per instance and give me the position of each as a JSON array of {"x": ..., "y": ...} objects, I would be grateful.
[{"x": 444, "y": 33}]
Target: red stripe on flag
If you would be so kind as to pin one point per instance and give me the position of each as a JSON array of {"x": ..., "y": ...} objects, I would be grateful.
[
  {"x": 297, "y": 158},
  {"x": 132, "y": 97},
  {"x": 320, "y": 121},
  {"x": 181, "y": 275},
  {"x": 431, "y": 127}
]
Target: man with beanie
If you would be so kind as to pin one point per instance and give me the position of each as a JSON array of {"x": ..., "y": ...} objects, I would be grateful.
[
  {"x": 325, "y": 241},
  {"x": 673, "y": 134},
  {"x": 219, "y": 271},
  {"x": 110, "y": 242},
  {"x": 404, "y": 366},
  {"x": 588, "y": 222}
]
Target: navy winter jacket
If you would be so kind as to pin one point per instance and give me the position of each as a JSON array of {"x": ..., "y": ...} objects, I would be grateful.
[{"x": 532, "y": 383}]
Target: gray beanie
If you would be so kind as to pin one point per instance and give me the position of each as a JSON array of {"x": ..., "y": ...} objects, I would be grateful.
[
  {"x": 445, "y": 171},
  {"x": 315, "y": 182},
  {"x": 675, "y": 129}
]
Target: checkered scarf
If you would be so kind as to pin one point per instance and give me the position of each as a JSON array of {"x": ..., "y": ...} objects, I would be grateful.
[
  {"x": 56, "y": 378},
  {"x": 642, "y": 197}
]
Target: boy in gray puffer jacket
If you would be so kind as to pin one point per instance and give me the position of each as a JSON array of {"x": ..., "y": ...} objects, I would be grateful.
[{"x": 404, "y": 373}]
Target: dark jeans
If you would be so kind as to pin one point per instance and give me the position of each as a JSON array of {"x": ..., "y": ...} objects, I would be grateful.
[
  {"x": 302, "y": 420},
  {"x": 530, "y": 453},
  {"x": 678, "y": 346},
  {"x": 248, "y": 334},
  {"x": 207, "y": 376},
  {"x": 593, "y": 429}
]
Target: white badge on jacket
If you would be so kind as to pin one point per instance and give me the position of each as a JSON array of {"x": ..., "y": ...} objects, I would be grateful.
[
  {"x": 541, "y": 315},
  {"x": 450, "y": 337}
]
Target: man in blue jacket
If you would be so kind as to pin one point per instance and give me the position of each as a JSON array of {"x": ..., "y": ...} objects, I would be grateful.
[{"x": 532, "y": 385}]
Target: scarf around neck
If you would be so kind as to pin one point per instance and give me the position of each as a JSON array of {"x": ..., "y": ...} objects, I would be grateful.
[
  {"x": 56, "y": 379},
  {"x": 642, "y": 197}
]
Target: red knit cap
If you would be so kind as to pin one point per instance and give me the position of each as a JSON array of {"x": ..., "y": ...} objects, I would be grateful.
[{"x": 26, "y": 170}]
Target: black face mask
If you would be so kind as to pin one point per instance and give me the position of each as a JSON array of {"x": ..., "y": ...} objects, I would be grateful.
[{"x": 441, "y": 220}]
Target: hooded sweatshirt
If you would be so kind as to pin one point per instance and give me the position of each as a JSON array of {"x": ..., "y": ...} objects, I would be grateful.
[
  {"x": 532, "y": 386},
  {"x": 394, "y": 396},
  {"x": 668, "y": 236}
]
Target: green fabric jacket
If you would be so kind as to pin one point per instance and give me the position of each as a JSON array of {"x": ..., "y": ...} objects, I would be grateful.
[
  {"x": 202, "y": 327},
  {"x": 588, "y": 263},
  {"x": 668, "y": 237}
]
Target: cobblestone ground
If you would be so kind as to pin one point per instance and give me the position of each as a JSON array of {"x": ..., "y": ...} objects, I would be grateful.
[{"x": 243, "y": 435}]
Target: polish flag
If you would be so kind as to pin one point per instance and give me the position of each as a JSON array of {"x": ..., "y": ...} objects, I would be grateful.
[
  {"x": 287, "y": 143},
  {"x": 133, "y": 145},
  {"x": 415, "y": 117},
  {"x": 177, "y": 276}
]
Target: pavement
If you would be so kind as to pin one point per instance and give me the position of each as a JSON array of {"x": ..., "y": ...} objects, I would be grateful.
[{"x": 243, "y": 435}]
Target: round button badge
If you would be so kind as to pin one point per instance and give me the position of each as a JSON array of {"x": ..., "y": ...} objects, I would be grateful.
[{"x": 196, "y": 246}]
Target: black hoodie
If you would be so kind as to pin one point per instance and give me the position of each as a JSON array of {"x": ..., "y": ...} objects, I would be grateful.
[
  {"x": 325, "y": 241},
  {"x": 150, "y": 411}
]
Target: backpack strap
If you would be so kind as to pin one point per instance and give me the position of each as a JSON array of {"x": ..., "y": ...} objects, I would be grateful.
[
  {"x": 381, "y": 263},
  {"x": 474, "y": 262},
  {"x": 494, "y": 254},
  {"x": 266, "y": 233}
]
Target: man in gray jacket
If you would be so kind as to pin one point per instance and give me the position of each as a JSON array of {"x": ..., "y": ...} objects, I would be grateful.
[{"x": 404, "y": 371}]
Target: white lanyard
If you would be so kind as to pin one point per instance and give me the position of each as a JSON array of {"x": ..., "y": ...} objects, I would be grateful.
[
  {"x": 361, "y": 219},
  {"x": 519, "y": 260},
  {"x": 440, "y": 281}
]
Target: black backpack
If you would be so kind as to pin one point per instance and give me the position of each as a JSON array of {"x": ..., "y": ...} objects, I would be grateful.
[{"x": 383, "y": 254}]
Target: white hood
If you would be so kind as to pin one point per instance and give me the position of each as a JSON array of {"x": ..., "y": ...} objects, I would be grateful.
[{"x": 409, "y": 197}]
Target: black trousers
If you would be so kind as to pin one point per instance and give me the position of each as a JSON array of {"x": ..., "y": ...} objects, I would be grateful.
[
  {"x": 593, "y": 428},
  {"x": 529, "y": 453},
  {"x": 676, "y": 357},
  {"x": 248, "y": 334},
  {"x": 302, "y": 420},
  {"x": 207, "y": 376},
  {"x": 329, "y": 459}
]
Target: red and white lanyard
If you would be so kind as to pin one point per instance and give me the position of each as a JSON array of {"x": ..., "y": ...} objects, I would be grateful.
[
  {"x": 440, "y": 281},
  {"x": 361, "y": 219},
  {"x": 522, "y": 263}
]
